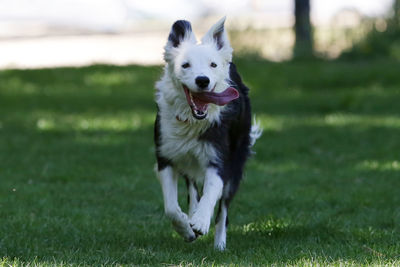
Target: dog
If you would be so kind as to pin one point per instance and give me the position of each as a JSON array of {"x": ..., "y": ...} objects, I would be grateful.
[{"x": 203, "y": 130}]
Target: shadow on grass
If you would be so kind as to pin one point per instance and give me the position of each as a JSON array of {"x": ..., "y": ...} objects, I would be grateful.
[
  {"x": 78, "y": 193},
  {"x": 91, "y": 196}
]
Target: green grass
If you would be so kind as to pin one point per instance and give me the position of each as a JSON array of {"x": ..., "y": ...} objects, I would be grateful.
[{"x": 76, "y": 169}]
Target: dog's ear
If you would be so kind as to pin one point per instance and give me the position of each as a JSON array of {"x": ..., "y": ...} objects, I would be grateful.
[
  {"x": 181, "y": 31},
  {"x": 217, "y": 35}
]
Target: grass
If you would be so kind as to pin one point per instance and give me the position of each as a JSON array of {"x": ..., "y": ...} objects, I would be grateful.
[{"x": 77, "y": 186}]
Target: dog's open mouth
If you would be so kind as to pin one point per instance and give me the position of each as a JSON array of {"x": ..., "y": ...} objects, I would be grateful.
[{"x": 198, "y": 102}]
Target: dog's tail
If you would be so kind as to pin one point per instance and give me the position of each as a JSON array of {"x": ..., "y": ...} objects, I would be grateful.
[{"x": 255, "y": 132}]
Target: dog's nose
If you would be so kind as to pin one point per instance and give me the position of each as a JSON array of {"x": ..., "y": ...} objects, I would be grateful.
[{"x": 202, "y": 81}]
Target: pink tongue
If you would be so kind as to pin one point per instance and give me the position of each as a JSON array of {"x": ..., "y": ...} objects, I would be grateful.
[{"x": 220, "y": 99}]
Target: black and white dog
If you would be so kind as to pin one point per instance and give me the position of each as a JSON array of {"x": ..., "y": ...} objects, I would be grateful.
[{"x": 203, "y": 129}]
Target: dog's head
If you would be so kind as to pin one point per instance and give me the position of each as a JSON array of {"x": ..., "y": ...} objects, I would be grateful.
[{"x": 200, "y": 71}]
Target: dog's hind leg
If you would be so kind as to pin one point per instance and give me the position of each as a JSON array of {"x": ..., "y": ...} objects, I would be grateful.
[
  {"x": 221, "y": 225},
  {"x": 180, "y": 221},
  {"x": 193, "y": 196}
]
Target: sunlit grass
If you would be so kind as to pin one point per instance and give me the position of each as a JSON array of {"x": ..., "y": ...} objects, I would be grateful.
[
  {"x": 374, "y": 165},
  {"x": 282, "y": 122},
  {"x": 121, "y": 121}
]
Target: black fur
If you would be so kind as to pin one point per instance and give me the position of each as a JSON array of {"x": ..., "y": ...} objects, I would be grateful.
[
  {"x": 195, "y": 187},
  {"x": 162, "y": 162},
  {"x": 178, "y": 32}
]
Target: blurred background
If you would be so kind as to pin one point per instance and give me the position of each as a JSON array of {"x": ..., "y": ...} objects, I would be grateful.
[
  {"x": 48, "y": 33},
  {"x": 77, "y": 186}
]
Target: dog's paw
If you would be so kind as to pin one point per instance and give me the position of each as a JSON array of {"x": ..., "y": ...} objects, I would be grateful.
[
  {"x": 200, "y": 223},
  {"x": 220, "y": 246},
  {"x": 182, "y": 227}
]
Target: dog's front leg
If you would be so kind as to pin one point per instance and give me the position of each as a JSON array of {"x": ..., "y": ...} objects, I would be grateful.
[
  {"x": 194, "y": 197},
  {"x": 169, "y": 184},
  {"x": 212, "y": 191}
]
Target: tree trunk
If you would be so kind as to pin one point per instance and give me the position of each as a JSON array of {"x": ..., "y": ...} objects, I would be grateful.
[
  {"x": 396, "y": 7},
  {"x": 303, "y": 47}
]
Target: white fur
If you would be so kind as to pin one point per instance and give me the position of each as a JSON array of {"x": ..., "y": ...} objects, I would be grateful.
[
  {"x": 169, "y": 185},
  {"x": 193, "y": 202},
  {"x": 180, "y": 138},
  {"x": 255, "y": 132},
  {"x": 220, "y": 229},
  {"x": 170, "y": 95}
]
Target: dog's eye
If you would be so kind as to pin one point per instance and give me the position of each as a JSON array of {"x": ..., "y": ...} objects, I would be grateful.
[
  {"x": 186, "y": 65},
  {"x": 213, "y": 65}
]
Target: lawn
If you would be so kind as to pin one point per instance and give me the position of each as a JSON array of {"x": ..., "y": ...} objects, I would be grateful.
[{"x": 77, "y": 185}]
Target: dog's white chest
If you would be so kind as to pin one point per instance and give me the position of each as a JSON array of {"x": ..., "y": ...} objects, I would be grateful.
[{"x": 180, "y": 143}]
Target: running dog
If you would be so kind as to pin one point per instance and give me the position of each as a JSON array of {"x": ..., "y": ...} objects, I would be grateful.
[{"x": 203, "y": 129}]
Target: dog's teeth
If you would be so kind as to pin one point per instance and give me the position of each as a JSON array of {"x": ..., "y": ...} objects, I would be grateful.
[
  {"x": 191, "y": 100},
  {"x": 197, "y": 112},
  {"x": 200, "y": 113}
]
